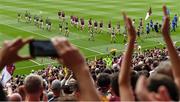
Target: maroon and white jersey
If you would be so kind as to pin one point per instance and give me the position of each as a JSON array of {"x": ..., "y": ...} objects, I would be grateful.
[
  {"x": 63, "y": 14},
  {"x": 59, "y": 13},
  {"x": 101, "y": 24},
  {"x": 109, "y": 25},
  {"x": 95, "y": 24},
  {"x": 90, "y": 22},
  {"x": 82, "y": 21},
  {"x": 77, "y": 20}
]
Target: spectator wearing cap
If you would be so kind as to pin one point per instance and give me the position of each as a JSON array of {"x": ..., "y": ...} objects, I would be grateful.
[{"x": 56, "y": 89}]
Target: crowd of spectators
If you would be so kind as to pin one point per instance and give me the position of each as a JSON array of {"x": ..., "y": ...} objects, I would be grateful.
[{"x": 151, "y": 75}]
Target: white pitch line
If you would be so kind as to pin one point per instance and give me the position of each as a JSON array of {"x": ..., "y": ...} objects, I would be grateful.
[
  {"x": 48, "y": 38},
  {"x": 35, "y": 66},
  {"x": 35, "y": 62}
]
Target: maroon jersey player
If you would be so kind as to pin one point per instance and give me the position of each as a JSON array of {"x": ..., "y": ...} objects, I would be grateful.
[
  {"x": 63, "y": 16},
  {"x": 101, "y": 26},
  {"x": 95, "y": 25},
  {"x": 72, "y": 20},
  {"x": 109, "y": 27},
  {"x": 82, "y": 23},
  {"x": 76, "y": 21},
  {"x": 59, "y": 14},
  {"x": 90, "y": 24}
]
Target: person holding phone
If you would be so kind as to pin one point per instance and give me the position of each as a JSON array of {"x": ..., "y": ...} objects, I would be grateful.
[{"x": 64, "y": 52}]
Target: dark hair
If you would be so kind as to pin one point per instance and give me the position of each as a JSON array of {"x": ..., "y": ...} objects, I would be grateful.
[
  {"x": 144, "y": 72},
  {"x": 68, "y": 89},
  {"x": 155, "y": 64},
  {"x": 134, "y": 78},
  {"x": 92, "y": 71},
  {"x": 103, "y": 80},
  {"x": 178, "y": 48},
  {"x": 147, "y": 67},
  {"x": 97, "y": 71},
  {"x": 2, "y": 94},
  {"x": 137, "y": 68},
  {"x": 162, "y": 80},
  {"x": 108, "y": 71},
  {"x": 116, "y": 70},
  {"x": 114, "y": 84},
  {"x": 94, "y": 77}
]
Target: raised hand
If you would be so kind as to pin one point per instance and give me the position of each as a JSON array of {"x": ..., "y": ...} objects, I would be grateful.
[
  {"x": 130, "y": 28},
  {"x": 125, "y": 88},
  {"x": 9, "y": 52},
  {"x": 166, "y": 23},
  {"x": 68, "y": 54},
  {"x": 171, "y": 49},
  {"x": 74, "y": 60}
]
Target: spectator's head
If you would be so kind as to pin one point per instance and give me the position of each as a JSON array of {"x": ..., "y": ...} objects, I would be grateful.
[
  {"x": 94, "y": 77},
  {"x": 164, "y": 68},
  {"x": 97, "y": 71},
  {"x": 50, "y": 95},
  {"x": 144, "y": 72},
  {"x": 33, "y": 85},
  {"x": 155, "y": 64},
  {"x": 21, "y": 91},
  {"x": 103, "y": 82},
  {"x": 45, "y": 85},
  {"x": 137, "y": 68},
  {"x": 178, "y": 49},
  {"x": 15, "y": 97},
  {"x": 134, "y": 78},
  {"x": 162, "y": 80},
  {"x": 114, "y": 84},
  {"x": 116, "y": 70},
  {"x": 71, "y": 87},
  {"x": 56, "y": 87},
  {"x": 108, "y": 71},
  {"x": 147, "y": 68}
]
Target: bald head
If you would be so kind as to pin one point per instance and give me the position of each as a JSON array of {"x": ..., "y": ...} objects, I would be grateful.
[{"x": 15, "y": 97}]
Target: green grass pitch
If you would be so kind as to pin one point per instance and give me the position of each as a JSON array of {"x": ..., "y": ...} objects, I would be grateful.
[{"x": 96, "y": 9}]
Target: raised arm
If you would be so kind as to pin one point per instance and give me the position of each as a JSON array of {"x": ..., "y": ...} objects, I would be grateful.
[
  {"x": 171, "y": 49},
  {"x": 9, "y": 52},
  {"x": 73, "y": 59},
  {"x": 125, "y": 88}
]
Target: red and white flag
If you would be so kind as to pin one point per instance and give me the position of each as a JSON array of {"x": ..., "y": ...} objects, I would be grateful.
[
  {"x": 149, "y": 13},
  {"x": 7, "y": 73}
]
